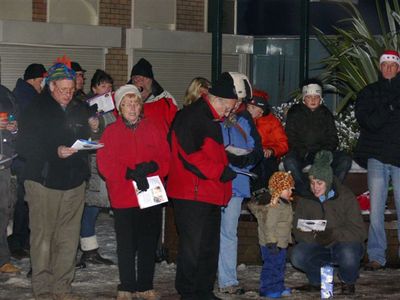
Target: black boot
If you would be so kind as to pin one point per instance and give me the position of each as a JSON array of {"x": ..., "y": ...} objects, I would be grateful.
[{"x": 94, "y": 257}]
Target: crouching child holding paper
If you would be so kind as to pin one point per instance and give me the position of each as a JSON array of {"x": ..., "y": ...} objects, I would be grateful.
[
  {"x": 341, "y": 242},
  {"x": 274, "y": 216}
]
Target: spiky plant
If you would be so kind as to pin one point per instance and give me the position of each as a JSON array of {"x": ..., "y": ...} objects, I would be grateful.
[{"x": 354, "y": 52}]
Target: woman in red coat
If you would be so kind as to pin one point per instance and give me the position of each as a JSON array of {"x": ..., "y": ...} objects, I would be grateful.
[
  {"x": 273, "y": 138},
  {"x": 134, "y": 148}
]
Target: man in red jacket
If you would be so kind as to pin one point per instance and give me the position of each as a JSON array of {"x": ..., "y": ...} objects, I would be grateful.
[
  {"x": 159, "y": 105},
  {"x": 199, "y": 183}
]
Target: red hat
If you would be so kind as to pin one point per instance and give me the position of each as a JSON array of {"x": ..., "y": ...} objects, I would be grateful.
[
  {"x": 390, "y": 55},
  {"x": 260, "y": 99}
]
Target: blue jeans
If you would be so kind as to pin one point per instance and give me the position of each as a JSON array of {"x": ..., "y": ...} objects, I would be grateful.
[
  {"x": 228, "y": 243},
  {"x": 341, "y": 165},
  {"x": 88, "y": 223},
  {"x": 378, "y": 183},
  {"x": 310, "y": 257}
]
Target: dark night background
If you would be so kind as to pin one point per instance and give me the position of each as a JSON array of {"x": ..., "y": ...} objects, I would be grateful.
[{"x": 282, "y": 17}]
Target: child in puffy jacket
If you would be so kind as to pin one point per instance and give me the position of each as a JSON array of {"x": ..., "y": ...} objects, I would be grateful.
[{"x": 274, "y": 216}]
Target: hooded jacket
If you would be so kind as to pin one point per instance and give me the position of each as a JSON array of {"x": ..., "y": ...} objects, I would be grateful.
[{"x": 378, "y": 114}]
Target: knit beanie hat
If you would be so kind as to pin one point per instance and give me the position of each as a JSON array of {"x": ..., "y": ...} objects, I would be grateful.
[
  {"x": 278, "y": 182},
  {"x": 232, "y": 85},
  {"x": 311, "y": 89},
  {"x": 61, "y": 70},
  {"x": 143, "y": 68},
  {"x": 34, "y": 71},
  {"x": 77, "y": 67},
  {"x": 124, "y": 90},
  {"x": 321, "y": 168},
  {"x": 390, "y": 55},
  {"x": 260, "y": 99}
]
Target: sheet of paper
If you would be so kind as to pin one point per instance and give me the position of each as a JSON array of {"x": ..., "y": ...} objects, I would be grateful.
[
  {"x": 311, "y": 225},
  {"x": 237, "y": 150},
  {"x": 86, "y": 145},
  {"x": 155, "y": 195},
  {"x": 104, "y": 102}
]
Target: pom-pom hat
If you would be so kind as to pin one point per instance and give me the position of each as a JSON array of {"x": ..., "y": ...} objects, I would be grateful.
[
  {"x": 321, "y": 168},
  {"x": 390, "y": 56}
]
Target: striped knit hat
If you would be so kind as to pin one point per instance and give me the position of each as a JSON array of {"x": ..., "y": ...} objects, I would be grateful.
[{"x": 61, "y": 70}]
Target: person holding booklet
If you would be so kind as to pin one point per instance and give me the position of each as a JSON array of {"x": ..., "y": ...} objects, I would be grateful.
[
  {"x": 341, "y": 242},
  {"x": 134, "y": 148}
]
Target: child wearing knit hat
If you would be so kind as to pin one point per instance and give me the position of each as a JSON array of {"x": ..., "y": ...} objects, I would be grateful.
[{"x": 274, "y": 216}]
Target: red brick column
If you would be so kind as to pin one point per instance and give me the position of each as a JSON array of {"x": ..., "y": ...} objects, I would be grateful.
[
  {"x": 39, "y": 10},
  {"x": 190, "y": 15},
  {"x": 116, "y": 13}
]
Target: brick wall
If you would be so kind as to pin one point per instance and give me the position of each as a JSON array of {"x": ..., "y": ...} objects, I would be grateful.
[
  {"x": 116, "y": 13},
  {"x": 190, "y": 15},
  {"x": 39, "y": 10}
]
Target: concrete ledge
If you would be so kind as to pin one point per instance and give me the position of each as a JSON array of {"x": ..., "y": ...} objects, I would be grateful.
[{"x": 40, "y": 33}]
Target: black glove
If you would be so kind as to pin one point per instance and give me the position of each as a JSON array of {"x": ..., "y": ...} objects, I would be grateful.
[
  {"x": 273, "y": 248},
  {"x": 93, "y": 110},
  {"x": 309, "y": 157},
  {"x": 227, "y": 175},
  {"x": 140, "y": 174},
  {"x": 239, "y": 161},
  {"x": 325, "y": 238},
  {"x": 147, "y": 167}
]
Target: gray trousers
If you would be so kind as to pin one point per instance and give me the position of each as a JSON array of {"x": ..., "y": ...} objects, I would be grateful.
[
  {"x": 54, "y": 220},
  {"x": 5, "y": 207}
]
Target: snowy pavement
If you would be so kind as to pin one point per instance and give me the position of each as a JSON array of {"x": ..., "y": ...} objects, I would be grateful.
[{"x": 100, "y": 282}]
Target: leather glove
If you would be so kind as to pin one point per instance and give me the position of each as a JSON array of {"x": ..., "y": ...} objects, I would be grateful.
[
  {"x": 227, "y": 175},
  {"x": 239, "y": 161},
  {"x": 273, "y": 248},
  {"x": 325, "y": 238}
]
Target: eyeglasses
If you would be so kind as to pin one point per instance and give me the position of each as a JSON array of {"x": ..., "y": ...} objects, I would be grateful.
[{"x": 65, "y": 91}]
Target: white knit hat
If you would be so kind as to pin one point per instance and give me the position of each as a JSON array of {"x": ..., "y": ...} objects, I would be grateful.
[
  {"x": 124, "y": 90},
  {"x": 390, "y": 55},
  {"x": 312, "y": 89}
]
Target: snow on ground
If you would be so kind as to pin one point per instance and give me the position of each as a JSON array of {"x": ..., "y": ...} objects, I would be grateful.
[{"x": 100, "y": 282}]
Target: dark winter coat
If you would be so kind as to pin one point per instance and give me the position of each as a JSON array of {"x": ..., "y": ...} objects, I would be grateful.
[
  {"x": 42, "y": 129},
  {"x": 342, "y": 213},
  {"x": 378, "y": 114},
  {"x": 24, "y": 94},
  {"x": 7, "y": 138},
  {"x": 310, "y": 131},
  {"x": 198, "y": 156}
]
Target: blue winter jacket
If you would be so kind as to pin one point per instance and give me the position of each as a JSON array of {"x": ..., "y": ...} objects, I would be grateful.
[{"x": 238, "y": 135}]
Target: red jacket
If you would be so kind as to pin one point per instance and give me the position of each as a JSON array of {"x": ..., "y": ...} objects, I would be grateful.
[
  {"x": 272, "y": 134},
  {"x": 161, "y": 109},
  {"x": 198, "y": 156},
  {"x": 123, "y": 148}
]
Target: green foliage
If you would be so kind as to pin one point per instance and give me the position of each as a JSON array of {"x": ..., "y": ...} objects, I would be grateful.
[{"x": 354, "y": 53}]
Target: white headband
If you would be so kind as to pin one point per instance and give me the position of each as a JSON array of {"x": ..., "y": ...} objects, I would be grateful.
[{"x": 312, "y": 89}]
